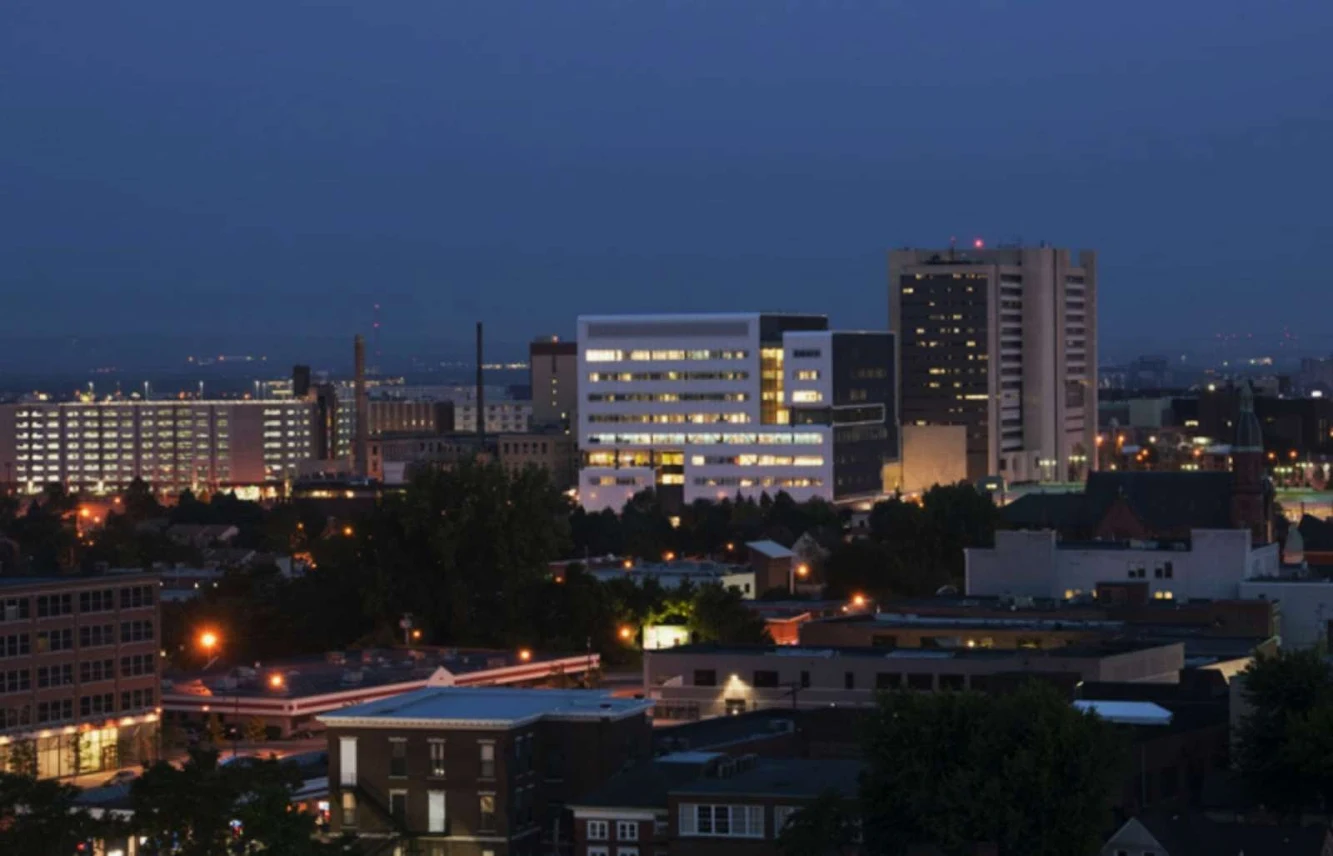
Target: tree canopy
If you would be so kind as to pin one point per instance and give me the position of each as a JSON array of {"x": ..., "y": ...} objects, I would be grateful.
[
  {"x": 1284, "y": 744},
  {"x": 1025, "y": 771}
]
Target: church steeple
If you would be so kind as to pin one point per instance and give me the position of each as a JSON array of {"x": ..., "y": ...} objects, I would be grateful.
[{"x": 1249, "y": 505}]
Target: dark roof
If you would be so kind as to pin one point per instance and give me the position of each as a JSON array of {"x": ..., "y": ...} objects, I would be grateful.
[
  {"x": 645, "y": 785},
  {"x": 1315, "y": 533},
  {"x": 1046, "y": 511},
  {"x": 1165, "y": 501},
  {"x": 720, "y": 731},
  {"x": 1171, "y": 500},
  {"x": 1193, "y": 834},
  {"x": 785, "y": 778}
]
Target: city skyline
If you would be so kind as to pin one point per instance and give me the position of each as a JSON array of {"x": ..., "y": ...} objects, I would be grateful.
[{"x": 469, "y": 163}]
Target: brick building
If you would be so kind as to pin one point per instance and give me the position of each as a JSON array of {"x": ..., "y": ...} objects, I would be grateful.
[
  {"x": 78, "y": 673},
  {"x": 704, "y": 803},
  {"x": 445, "y": 771}
]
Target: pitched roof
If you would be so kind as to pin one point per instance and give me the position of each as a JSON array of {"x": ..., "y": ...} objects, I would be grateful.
[
  {"x": 771, "y": 549},
  {"x": 1193, "y": 834},
  {"x": 646, "y": 785},
  {"x": 1046, "y": 511},
  {"x": 793, "y": 777},
  {"x": 1164, "y": 501},
  {"x": 1317, "y": 534},
  {"x": 1171, "y": 500}
]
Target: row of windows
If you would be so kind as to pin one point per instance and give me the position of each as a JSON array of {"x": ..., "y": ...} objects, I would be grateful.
[
  {"x": 740, "y": 481},
  {"x": 722, "y": 821},
  {"x": 600, "y": 830},
  {"x": 596, "y": 355},
  {"x": 770, "y": 678},
  {"x": 669, "y": 418},
  {"x": 90, "y": 636},
  {"x": 643, "y": 377},
  {"x": 758, "y": 460},
  {"x": 776, "y": 438},
  {"x": 667, "y": 397}
]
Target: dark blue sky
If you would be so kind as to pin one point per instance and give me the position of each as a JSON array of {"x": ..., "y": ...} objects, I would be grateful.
[{"x": 270, "y": 169}]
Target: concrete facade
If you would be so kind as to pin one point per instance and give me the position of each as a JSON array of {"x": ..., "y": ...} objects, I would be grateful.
[
  {"x": 712, "y": 406},
  {"x": 1004, "y": 342},
  {"x": 699, "y": 681},
  {"x": 171, "y": 445},
  {"x": 1037, "y": 565},
  {"x": 553, "y": 373},
  {"x": 1307, "y": 607}
]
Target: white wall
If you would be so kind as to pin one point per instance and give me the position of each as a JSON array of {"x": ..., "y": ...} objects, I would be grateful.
[
  {"x": 1030, "y": 564},
  {"x": 1306, "y": 608}
]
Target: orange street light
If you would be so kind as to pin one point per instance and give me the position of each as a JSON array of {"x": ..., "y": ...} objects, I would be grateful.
[
  {"x": 730, "y": 546},
  {"x": 858, "y": 600},
  {"x": 524, "y": 654},
  {"x": 347, "y": 531},
  {"x": 83, "y": 512},
  {"x": 669, "y": 556},
  {"x": 802, "y": 570},
  {"x": 208, "y": 640},
  {"x": 626, "y": 632},
  {"x": 416, "y": 634},
  {"x": 628, "y": 563},
  {"x": 276, "y": 681}
]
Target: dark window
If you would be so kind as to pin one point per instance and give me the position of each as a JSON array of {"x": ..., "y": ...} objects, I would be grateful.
[
  {"x": 884, "y": 640},
  {"x": 398, "y": 807},
  {"x": 397, "y": 758},
  {"x": 887, "y": 680},
  {"x": 765, "y": 679},
  {"x": 705, "y": 678},
  {"x": 1157, "y": 572},
  {"x": 920, "y": 682},
  {"x": 951, "y": 682},
  {"x": 1168, "y": 570},
  {"x": 805, "y": 680},
  {"x": 930, "y": 642},
  {"x": 849, "y": 680}
]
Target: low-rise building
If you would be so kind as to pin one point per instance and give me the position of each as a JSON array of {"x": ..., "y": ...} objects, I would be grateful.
[
  {"x": 458, "y": 770},
  {"x": 1210, "y": 565},
  {"x": 554, "y": 452},
  {"x": 290, "y": 695},
  {"x": 78, "y": 673},
  {"x": 704, "y": 802},
  {"x": 694, "y": 681}
]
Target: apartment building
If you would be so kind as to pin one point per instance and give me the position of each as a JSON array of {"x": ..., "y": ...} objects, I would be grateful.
[
  {"x": 78, "y": 674},
  {"x": 1004, "y": 342},
  {"x": 502, "y": 417},
  {"x": 250, "y": 446},
  {"x": 553, "y": 374},
  {"x": 554, "y": 451},
  {"x": 712, "y": 406},
  {"x": 446, "y": 771},
  {"x": 705, "y": 802}
]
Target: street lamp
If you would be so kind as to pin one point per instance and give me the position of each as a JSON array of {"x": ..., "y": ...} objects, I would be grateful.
[
  {"x": 626, "y": 632},
  {"x": 525, "y": 654},
  {"x": 276, "y": 681}
]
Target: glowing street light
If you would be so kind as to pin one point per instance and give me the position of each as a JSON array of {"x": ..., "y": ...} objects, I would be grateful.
[
  {"x": 276, "y": 681},
  {"x": 858, "y": 600},
  {"x": 347, "y": 532},
  {"x": 626, "y": 632},
  {"x": 525, "y": 654},
  {"x": 208, "y": 640},
  {"x": 802, "y": 570}
]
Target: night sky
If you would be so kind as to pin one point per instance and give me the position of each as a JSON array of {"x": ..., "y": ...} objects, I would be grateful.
[{"x": 242, "y": 172}]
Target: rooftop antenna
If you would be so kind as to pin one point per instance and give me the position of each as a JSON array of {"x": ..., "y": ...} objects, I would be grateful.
[{"x": 375, "y": 340}]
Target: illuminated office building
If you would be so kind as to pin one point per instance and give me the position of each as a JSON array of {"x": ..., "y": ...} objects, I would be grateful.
[
  {"x": 712, "y": 406},
  {"x": 251, "y": 446},
  {"x": 1004, "y": 342}
]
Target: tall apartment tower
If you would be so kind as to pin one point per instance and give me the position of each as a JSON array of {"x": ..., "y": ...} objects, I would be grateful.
[
  {"x": 553, "y": 372},
  {"x": 1004, "y": 342}
]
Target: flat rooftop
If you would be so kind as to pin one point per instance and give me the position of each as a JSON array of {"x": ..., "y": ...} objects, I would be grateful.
[
  {"x": 1090, "y": 648},
  {"x": 343, "y": 672},
  {"x": 486, "y": 707}
]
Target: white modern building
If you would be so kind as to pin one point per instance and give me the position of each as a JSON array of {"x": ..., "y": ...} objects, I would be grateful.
[
  {"x": 1004, "y": 342},
  {"x": 1213, "y": 564},
  {"x": 173, "y": 445},
  {"x": 712, "y": 406}
]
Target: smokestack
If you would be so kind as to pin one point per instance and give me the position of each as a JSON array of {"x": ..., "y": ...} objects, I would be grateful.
[
  {"x": 360, "y": 444},
  {"x": 481, "y": 395}
]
